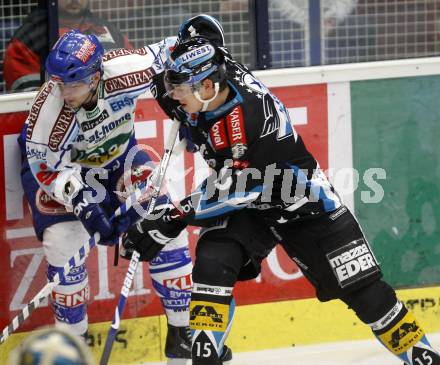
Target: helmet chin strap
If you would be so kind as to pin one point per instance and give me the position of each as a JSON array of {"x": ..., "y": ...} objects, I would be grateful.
[{"x": 206, "y": 102}]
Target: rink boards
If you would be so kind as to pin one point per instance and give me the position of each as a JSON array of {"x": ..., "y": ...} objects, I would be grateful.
[{"x": 333, "y": 114}]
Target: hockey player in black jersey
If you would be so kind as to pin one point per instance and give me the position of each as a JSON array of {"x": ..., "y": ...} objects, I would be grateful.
[{"x": 266, "y": 188}]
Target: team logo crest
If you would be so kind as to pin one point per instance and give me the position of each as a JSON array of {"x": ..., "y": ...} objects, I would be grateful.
[{"x": 254, "y": 84}]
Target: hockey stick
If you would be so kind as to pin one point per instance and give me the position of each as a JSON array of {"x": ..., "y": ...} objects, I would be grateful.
[
  {"x": 45, "y": 291},
  {"x": 73, "y": 261},
  {"x": 36, "y": 301},
  {"x": 156, "y": 186}
]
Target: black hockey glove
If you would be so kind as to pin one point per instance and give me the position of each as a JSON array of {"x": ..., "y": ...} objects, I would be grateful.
[{"x": 149, "y": 236}]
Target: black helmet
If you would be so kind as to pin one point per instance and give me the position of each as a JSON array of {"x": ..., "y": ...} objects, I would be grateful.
[
  {"x": 193, "y": 61},
  {"x": 202, "y": 25}
]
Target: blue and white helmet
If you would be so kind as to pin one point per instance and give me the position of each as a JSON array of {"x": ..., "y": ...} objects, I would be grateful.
[
  {"x": 51, "y": 346},
  {"x": 74, "y": 57},
  {"x": 202, "y": 25}
]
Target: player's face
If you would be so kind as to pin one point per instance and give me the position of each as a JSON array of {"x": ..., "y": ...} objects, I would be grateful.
[
  {"x": 73, "y": 7},
  {"x": 184, "y": 94},
  {"x": 75, "y": 94}
]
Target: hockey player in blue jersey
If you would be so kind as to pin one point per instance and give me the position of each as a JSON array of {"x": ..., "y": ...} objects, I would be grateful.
[
  {"x": 83, "y": 119},
  {"x": 266, "y": 188}
]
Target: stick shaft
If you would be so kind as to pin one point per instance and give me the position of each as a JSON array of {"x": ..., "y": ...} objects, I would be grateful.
[{"x": 156, "y": 186}]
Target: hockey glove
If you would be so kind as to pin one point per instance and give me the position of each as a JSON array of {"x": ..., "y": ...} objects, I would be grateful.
[
  {"x": 149, "y": 236},
  {"x": 95, "y": 219}
]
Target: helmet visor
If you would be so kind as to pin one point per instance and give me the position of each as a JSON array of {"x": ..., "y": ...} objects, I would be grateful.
[
  {"x": 178, "y": 91},
  {"x": 75, "y": 89},
  {"x": 178, "y": 86}
]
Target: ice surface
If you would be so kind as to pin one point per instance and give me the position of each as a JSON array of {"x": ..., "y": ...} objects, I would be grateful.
[{"x": 368, "y": 352}]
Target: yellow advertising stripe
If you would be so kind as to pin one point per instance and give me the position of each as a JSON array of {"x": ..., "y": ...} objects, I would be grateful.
[
  {"x": 257, "y": 327},
  {"x": 300, "y": 322},
  {"x": 138, "y": 340}
]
